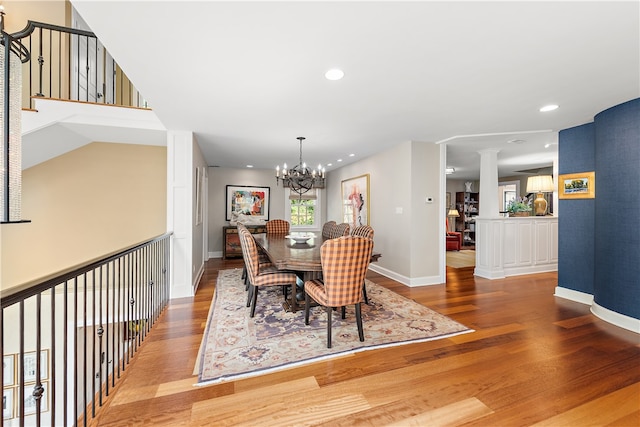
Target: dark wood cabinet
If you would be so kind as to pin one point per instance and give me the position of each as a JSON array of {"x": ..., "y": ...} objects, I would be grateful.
[
  {"x": 231, "y": 245},
  {"x": 468, "y": 205}
]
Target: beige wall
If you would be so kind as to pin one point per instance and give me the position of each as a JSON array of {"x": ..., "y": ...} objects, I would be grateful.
[
  {"x": 400, "y": 180},
  {"x": 87, "y": 203}
]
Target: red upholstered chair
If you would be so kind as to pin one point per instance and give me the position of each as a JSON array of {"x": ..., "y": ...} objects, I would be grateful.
[
  {"x": 454, "y": 241},
  {"x": 344, "y": 265},
  {"x": 453, "y": 238},
  {"x": 260, "y": 275},
  {"x": 277, "y": 226}
]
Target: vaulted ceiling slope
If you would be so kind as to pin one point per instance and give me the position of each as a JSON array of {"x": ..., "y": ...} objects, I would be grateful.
[{"x": 248, "y": 77}]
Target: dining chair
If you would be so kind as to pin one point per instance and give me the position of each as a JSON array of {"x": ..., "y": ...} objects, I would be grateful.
[
  {"x": 262, "y": 275},
  {"x": 327, "y": 228},
  {"x": 344, "y": 266},
  {"x": 263, "y": 259},
  {"x": 339, "y": 230},
  {"x": 277, "y": 226},
  {"x": 363, "y": 231}
]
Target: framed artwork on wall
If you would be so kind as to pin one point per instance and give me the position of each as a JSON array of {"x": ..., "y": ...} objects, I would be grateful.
[
  {"x": 7, "y": 403},
  {"x": 580, "y": 185},
  {"x": 9, "y": 369},
  {"x": 246, "y": 200},
  {"x": 355, "y": 201}
]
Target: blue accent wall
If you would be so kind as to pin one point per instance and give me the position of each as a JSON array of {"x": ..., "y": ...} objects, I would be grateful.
[
  {"x": 599, "y": 239},
  {"x": 617, "y": 215},
  {"x": 576, "y": 252}
]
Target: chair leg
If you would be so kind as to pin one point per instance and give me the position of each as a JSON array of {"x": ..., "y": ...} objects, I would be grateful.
[
  {"x": 253, "y": 300},
  {"x": 249, "y": 295},
  {"x": 359, "y": 322},
  {"x": 307, "y": 303},
  {"x": 344, "y": 312},
  {"x": 364, "y": 293},
  {"x": 329, "y": 310}
]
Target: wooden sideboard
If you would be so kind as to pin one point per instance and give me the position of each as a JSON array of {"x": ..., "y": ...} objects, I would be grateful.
[{"x": 231, "y": 244}]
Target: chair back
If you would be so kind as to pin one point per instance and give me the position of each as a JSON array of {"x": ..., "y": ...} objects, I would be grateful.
[
  {"x": 327, "y": 228},
  {"x": 363, "y": 231},
  {"x": 249, "y": 252},
  {"x": 344, "y": 266},
  {"x": 277, "y": 226},
  {"x": 339, "y": 230}
]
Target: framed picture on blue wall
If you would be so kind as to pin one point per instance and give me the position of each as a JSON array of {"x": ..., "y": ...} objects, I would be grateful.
[{"x": 580, "y": 185}]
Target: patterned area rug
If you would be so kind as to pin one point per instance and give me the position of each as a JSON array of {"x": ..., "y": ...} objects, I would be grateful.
[{"x": 236, "y": 346}]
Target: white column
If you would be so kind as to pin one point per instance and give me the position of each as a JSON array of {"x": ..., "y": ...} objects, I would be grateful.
[
  {"x": 180, "y": 209},
  {"x": 488, "y": 232},
  {"x": 489, "y": 183}
]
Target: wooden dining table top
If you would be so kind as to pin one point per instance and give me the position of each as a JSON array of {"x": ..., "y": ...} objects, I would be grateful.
[{"x": 285, "y": 254}]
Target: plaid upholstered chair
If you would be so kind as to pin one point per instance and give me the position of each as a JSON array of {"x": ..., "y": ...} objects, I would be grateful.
[
  {"x": 339, "y": 230},
  {"x": 263, "y": 259},
  {"x": 260, "y": 275},
  {"x": 327, "y": 228},
  {"x": 277, "y": 226},
  {"x": 363, "y": 231},
  {"x": 344, "y": 266}
]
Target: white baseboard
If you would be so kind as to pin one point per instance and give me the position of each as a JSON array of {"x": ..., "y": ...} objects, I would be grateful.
[
  {"x": 616, "y": 318},
  {"x": 411, "y": 282},
  {"x": 215, "y": 254},
  {"x": 572, "y": 295}
]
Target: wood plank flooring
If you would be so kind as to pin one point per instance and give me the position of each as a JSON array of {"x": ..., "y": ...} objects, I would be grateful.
[{"x": 534, "y": 360}]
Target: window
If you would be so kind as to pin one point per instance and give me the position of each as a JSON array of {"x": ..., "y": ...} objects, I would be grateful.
[{"x": 303, "y": 212}]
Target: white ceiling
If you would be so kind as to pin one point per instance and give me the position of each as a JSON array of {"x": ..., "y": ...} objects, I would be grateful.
[{"x": 248, "y": 77}]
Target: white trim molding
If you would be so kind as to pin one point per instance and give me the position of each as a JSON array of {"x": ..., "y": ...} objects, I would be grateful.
[
  {"x": 616, "y": 318},
  {"x": 573, "y": 295}
]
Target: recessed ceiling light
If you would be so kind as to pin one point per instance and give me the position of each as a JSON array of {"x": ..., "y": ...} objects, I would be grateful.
[
  {"x": 449, "y": 170},
  {"x": 516, "y": 141},
  {"x": 550, "y": 107},
  {"x": 339, "y": 160},
  {"x": 351, "y": 155},
  {"x": 329, "y": 164},
  {"x": 334, "y": 74},
  {"x": 249, "y": 166}
]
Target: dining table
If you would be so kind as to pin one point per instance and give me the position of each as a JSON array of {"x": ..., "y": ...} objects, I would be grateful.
[{"x": 303, "y": 257}]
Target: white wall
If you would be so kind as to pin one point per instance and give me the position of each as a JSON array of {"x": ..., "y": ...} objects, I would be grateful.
[{"x": 406, "y": 227}]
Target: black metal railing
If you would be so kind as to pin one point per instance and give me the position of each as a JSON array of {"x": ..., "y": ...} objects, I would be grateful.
[
  {"x": 67, "y": 339},
  {"x": 71, "y": 64}
]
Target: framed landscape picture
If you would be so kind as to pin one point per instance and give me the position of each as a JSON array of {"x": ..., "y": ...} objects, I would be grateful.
[
  {"x": 246, "y": 200},
  {"x": 355, "y": 201},
  {"x": 577, "y": 185}
]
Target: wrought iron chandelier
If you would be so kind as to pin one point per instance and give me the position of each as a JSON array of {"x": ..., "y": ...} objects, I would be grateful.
[{"x": 300, "y": 178}]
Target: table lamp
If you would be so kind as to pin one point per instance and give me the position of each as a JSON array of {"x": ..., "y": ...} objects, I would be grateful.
[
  {"x": 540, "y": 184},
  {"x": 453, "y": 213}
]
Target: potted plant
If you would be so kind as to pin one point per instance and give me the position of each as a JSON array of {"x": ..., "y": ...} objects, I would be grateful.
[{"x": 519, "y": 207}]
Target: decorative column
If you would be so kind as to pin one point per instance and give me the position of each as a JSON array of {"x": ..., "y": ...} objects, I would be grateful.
[{"x": 488, "y": 228}]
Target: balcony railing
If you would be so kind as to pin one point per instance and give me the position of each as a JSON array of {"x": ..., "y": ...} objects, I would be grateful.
[
  {"x": 66, "y": 340},
  {"x": 72, "y": 64}
]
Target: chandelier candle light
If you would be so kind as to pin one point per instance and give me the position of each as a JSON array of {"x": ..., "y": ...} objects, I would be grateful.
[{"x": 300, "y": 178}]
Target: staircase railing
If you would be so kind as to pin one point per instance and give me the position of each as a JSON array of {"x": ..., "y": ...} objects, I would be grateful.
[
  {"x": 71, "y": 64},
  {"x": 67, "y": 339}
]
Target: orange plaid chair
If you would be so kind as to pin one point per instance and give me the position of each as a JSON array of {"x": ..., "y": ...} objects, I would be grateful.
[
  {"x": 277, "y": 226},
  {"x": 262, "y": 258},
  {"x": 260, "y": 275},
  {"x": 363, "y": 231},
  {"x": 344, "y": 266},
  {"x": 327, "y": 228},
  {"x": 339, "y": 230}
]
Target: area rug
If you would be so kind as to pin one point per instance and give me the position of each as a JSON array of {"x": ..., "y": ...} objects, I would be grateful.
[{"x": 236, "y": 346}]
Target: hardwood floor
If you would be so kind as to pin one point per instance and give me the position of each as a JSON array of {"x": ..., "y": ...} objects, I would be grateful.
[{"x": 534, "y": 360}]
